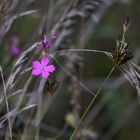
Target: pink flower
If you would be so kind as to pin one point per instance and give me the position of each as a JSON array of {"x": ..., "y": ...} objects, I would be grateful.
[
  {"x": 42, "y": 68},
  {"x": 48, "y": 42}
]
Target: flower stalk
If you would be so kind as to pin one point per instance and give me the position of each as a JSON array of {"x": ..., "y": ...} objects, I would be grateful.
[{"x": 91, "y": 103}]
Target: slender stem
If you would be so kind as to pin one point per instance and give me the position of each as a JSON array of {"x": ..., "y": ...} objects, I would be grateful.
[
  {"x": 82, "y": 50},
  {"x": 91, "y": 103},
  {"x": 7, "y": 104},
  {"x": 122, "y": 41},
  {"x": 72, "y": 76}
]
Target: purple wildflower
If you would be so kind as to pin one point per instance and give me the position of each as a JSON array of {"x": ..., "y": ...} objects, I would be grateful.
[
  {"x": 42, "y": 68},
  {"x": 48, "y": 42},
  {"x": 15, "y": 51}
]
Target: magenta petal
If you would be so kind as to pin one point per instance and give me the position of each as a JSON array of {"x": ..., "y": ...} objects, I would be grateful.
[
  {"x": 44, "y": 61},
  {"x": 48, "y": 44},
  {"x": 45, "y": 74},
  {"x": 50, "y": 68},
  {"x": 36, "y": 72},
  {"x": 36, "y": 64}
]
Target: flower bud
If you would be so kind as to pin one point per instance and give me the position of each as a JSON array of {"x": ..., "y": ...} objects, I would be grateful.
[{"x": 126, "y": 23}]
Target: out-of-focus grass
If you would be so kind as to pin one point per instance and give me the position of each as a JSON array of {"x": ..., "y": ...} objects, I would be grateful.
[{"x": 95, "y": 69}]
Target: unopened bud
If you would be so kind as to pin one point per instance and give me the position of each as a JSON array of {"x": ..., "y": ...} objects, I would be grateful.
[{"x": 126, "y": 23}]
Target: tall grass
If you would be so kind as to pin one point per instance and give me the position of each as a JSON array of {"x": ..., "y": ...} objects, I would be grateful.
[{"x": 33, "y": 108}]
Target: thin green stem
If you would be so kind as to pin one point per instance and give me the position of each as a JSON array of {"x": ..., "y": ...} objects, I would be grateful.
[
  {"x": 7, "y": 104},
  {"x": 91, "y": 103}
]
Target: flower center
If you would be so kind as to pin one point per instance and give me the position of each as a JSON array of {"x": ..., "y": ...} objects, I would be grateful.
[{"x": 43, "y": 68}]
